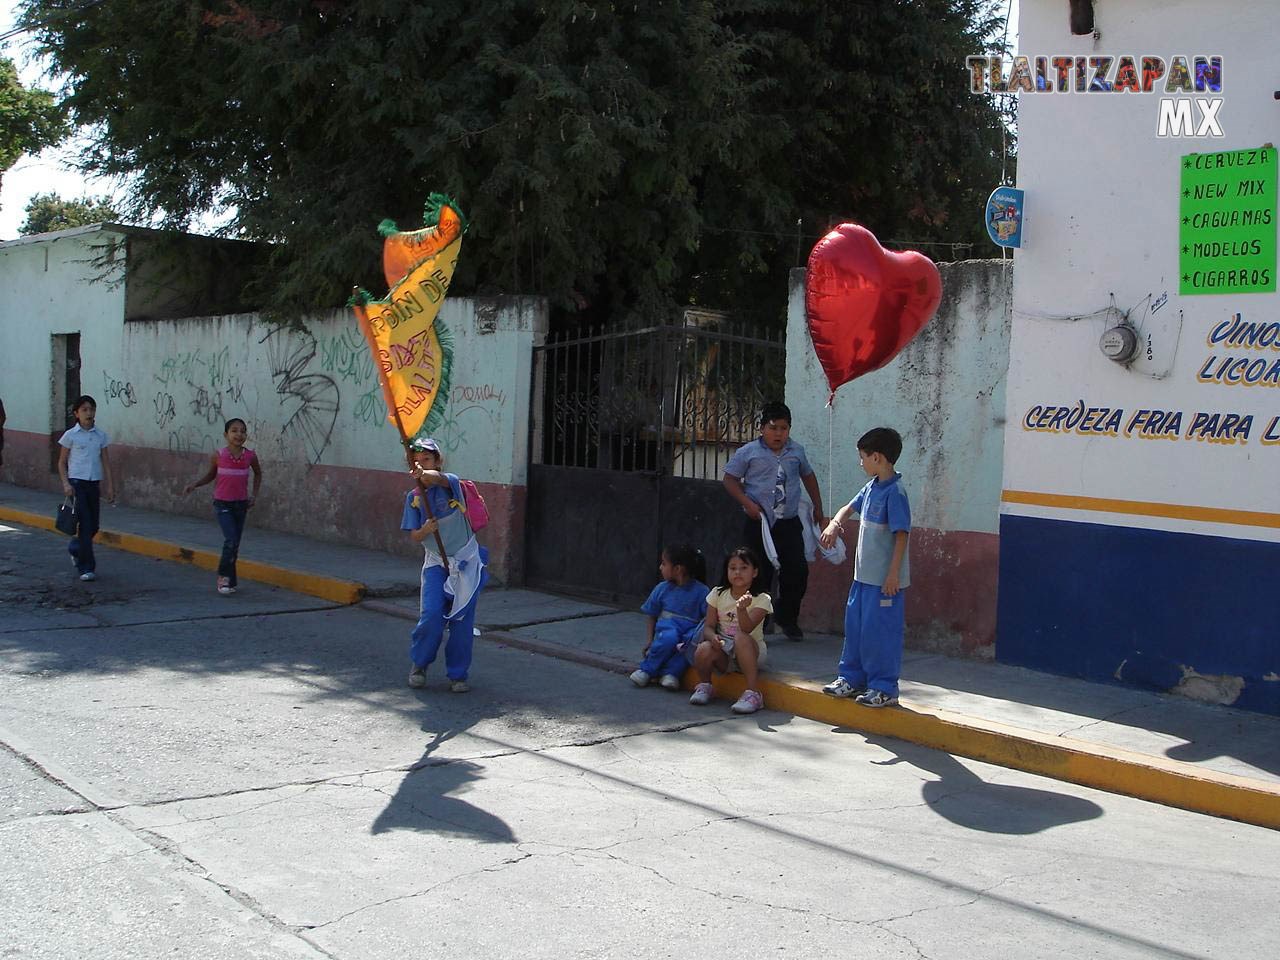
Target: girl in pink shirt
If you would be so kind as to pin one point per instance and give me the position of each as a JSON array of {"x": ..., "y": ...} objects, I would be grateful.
[{"x": 229, "y": 471}]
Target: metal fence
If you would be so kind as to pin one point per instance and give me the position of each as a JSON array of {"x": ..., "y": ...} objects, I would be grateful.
[{"x": 672, "y": 399}]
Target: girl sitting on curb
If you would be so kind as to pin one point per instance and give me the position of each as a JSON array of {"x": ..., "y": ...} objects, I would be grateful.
[{"x": 733, "y": 636}]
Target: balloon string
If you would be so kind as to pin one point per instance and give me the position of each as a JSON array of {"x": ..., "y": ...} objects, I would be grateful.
[{"x": 831, "y": 420}]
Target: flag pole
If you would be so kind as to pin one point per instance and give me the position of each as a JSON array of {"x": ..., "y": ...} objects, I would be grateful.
[{"x": 394, "y": 415}]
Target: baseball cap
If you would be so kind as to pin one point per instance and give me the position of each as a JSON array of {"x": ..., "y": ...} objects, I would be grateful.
[{"x": 424, "y": 445}]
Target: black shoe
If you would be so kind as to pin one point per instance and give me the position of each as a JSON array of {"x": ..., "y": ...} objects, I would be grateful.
[{"x": 792, "y": 631}]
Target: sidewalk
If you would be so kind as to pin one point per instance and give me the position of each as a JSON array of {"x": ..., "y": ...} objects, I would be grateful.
[
  {"x": 282, "y": 559},
  {"x": 1154, "y": 746}
]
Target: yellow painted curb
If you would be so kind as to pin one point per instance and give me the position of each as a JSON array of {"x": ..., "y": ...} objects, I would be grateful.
[
  {"x": 315, "y": 585},
  {"x": 1157, "y": 779}
]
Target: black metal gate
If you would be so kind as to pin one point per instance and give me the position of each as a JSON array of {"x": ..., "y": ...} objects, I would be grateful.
[{"x": 630, "y": 432}]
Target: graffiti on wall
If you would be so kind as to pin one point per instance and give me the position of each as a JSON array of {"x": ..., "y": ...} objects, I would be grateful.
[
  {"x": 347, "y": 356},
  {"x": 187, "y": 439},
  {"x": 370, "y": 408},
  {"x": 207, "y": 381},
  {"x": 471, "y": 411},
  {"x": 310, "y": 399},
  {"x": 197, "y": 390},
  {"x": 301, "y": 393},
  {"x": 165, "y": 408},
  {"x": 115, "y": 390}
]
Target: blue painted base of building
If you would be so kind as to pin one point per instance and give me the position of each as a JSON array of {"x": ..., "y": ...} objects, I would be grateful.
[{"x": 1120, "y": 604}]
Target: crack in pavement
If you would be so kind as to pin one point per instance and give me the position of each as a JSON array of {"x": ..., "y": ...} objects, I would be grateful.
[
  {"x": 535, "y": 623},
  {"x": 170, "y": 620},
  {"x": 173, "y": 852},
  {"x": 731, "y": 897},
  {"x": 335, "y": 779},
  {"x": 42, "y": 774},
  {"x": 490, "y": 868},
  {"x": 1109, "y": 717}
]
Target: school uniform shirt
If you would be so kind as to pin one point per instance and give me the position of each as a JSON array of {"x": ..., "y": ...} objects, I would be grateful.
[
  {"x": 883, "y": 511},
  {"x": 772, "y": 480},
  {"x": 468, "y": 561},
  {"x": 671, "y": 600},
  {"x": 453, "y": 528},
  {"x": 86, "y": 446},
  {"x": 727, "y": 615}
]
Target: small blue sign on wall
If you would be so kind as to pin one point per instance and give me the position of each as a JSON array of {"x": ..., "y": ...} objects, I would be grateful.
[{"x": 1004, "y": 217}]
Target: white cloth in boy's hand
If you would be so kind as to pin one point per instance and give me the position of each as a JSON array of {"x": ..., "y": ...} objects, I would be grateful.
[{"x": 812, "y": 545}]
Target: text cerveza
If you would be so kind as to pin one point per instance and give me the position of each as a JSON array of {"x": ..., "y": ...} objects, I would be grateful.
[{"x": 1149, "y": 423}]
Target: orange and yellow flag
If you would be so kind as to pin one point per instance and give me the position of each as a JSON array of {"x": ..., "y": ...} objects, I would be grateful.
[{"x": 412, "y": 350}]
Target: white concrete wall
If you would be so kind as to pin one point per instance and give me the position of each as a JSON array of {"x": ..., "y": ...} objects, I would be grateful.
[
  {"x": 945, "y": 393},
  {"x": 44, "y": 290},
  {"x": 308, "y": 398}
]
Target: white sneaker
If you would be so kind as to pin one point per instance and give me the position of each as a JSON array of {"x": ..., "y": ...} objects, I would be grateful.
[
  {"x": 702, "y": 694},
  {"x": 640, "y": 678},
  {"x": 840, "y": 687},
  {"x": 877, "y": 698},
  {"x": 459, "y": 686},
  {"x": 418, "y": 677},
  {"x": 669, "y": 681},
  {"x": 90, "y": 575},
  {"x": 749, "y": 702}
]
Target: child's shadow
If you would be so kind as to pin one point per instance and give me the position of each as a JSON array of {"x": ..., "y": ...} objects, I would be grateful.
[
  {"x": 967, "y": 800},
  {"x": 423, "y": 802}
]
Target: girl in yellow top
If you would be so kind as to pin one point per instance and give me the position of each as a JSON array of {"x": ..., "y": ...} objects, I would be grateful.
[{"x": 733, "y": 635}]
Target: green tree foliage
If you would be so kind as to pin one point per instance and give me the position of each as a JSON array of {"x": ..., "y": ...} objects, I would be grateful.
[
  {"x": 29, "y": 119},
  {"x": 48, "y": 211},
  {"x": 617, "y": 157}
]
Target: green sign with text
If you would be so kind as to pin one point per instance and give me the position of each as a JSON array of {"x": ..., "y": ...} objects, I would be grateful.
[{"x": 1227, "y": 237}]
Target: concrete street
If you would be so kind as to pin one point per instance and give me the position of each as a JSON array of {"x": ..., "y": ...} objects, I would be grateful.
[{"x": 188, "y": 775}]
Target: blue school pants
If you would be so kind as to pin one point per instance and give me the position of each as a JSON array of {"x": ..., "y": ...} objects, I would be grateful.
[
  {"x": 425, "y": 639},
  {"x": 873, "y": 627},
  {"x": 663, "y": 657},
  {"x": 88, "y": 505}
]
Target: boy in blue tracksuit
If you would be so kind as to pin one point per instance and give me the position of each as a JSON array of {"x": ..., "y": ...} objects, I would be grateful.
[
  {"x": 676, "y": 609},
  {"x": 873, "y": 620}
]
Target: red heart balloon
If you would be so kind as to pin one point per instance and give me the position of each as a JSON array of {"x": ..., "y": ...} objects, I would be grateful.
[{"x": 865, "y": 303}]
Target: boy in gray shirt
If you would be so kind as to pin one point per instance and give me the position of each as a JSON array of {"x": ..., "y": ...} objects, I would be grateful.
[
  {"x": 765, "y": 477},
  {"x": 873, "y": 618}
]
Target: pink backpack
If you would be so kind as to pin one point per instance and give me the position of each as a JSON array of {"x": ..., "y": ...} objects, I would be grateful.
[{"x": 477, "y": 512}]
